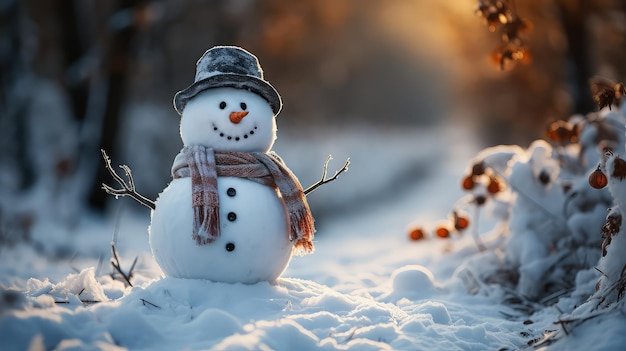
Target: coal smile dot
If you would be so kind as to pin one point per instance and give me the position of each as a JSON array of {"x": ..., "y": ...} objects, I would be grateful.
[
  {"x": 235, "y": 137},
  {"x": 230, "y": 247}
]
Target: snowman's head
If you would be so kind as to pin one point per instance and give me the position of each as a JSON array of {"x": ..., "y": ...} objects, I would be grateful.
[{"x": 229, "y": 119}]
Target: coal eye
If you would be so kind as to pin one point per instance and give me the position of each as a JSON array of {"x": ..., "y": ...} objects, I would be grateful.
[
  {"x": 223, "y": 105},
  {"x": 243, "y": 105}
]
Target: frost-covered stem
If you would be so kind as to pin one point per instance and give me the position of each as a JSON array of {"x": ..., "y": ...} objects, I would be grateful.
[
  {"x": 325, "y": 180},
  {"x": 479, "y": 244},
  {"x": 128, "y": 189}
]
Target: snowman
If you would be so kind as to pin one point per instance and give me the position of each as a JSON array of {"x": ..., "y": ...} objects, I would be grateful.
[{"x": 233, "y": 211}]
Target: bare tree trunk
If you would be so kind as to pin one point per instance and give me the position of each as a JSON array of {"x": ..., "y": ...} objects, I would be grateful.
[
  {"x": 14, "y": 138},
  {"x": 118, "y": 64},
  {"x": 573, "y": 21},
  {"x": 74, "y": 51}
]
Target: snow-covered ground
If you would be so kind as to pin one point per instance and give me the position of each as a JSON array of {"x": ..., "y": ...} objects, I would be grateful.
[{"x": 367, "y": 287}]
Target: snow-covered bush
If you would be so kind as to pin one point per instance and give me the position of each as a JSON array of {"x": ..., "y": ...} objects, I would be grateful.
[
  {"x": 548, "y": 217},
  {"x": 553, "y": 239}
]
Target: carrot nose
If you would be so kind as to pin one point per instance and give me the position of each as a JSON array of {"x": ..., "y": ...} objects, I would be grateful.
[{"x": 236, "y": 117}]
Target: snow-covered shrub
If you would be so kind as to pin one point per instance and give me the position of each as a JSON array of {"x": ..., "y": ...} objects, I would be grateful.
[{"x": 549, "y": 219}]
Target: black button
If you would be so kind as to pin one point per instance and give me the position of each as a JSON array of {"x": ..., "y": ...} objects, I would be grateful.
[
  {"x": 231, "y": 216},
  {"x": 230, "y": 247},
  {"x": 231, "y": 192}
]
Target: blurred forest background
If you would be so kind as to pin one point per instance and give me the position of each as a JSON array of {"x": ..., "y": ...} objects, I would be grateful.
[{"x": 80, "y": 75}]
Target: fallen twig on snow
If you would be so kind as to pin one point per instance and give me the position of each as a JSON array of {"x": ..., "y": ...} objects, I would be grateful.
[
  {"x": 81, "y": 300},
  {"x": 146, "y": 302}
]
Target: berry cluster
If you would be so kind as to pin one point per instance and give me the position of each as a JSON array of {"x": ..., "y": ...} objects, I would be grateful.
[
  {"x": 482, "y": 182},
  {"x": 481, "y": 174},
  {"x": 501, "y": 14},
  {"x": 457, "y": 223}
]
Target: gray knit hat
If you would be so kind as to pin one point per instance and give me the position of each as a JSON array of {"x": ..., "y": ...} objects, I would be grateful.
[{"x": 229, "y": 66}]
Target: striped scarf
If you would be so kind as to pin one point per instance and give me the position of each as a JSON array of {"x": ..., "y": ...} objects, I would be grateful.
[{"x": 204, "y": 165}]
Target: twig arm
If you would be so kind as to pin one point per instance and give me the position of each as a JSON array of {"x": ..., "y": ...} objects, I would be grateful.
[
  {"x": 128, "y": 189},
  {"x": 325, "y": 180}
]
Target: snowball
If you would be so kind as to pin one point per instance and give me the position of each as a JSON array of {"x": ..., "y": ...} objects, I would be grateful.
[
  {"x": 412, "y": 278},
  {"x": 413, "y": 282}
]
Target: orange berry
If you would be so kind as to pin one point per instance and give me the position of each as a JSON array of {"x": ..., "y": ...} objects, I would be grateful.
[
  {"x": 460, "y": 222},
  {"x": 416, "y": 234},
  {"x": 494, "y": 186},
  {"x": 442, "y": 232},
  {"x": 468, "y": 183},
  {"x": 597, "y": 179}
]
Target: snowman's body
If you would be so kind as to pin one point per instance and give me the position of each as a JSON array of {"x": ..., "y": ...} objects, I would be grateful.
[
  {"x": 253, "y": 245},
  {"x": 254, "y": 240}
]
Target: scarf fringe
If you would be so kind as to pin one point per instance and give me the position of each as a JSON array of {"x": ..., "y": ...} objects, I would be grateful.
[
  {"x": 207, "y": 222},
  {"x": 302, "y": 229}
]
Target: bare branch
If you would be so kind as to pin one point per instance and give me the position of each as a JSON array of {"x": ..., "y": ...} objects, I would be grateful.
[
  {"x": 128, "y": 189},
  {"x": 325, "y": 180}
]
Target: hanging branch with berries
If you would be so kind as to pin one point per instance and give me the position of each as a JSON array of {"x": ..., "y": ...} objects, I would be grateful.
[{"x": 501, "y": 16}]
